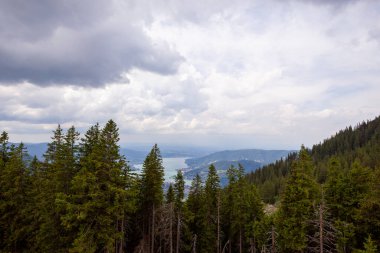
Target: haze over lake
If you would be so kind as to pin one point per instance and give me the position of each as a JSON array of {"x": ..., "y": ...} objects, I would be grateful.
[{"x": 171, "y": 166}]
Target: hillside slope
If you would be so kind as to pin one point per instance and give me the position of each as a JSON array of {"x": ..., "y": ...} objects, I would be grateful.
[{"x": 360, "y": 143}]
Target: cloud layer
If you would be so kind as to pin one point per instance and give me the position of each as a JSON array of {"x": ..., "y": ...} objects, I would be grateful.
[
  {"x": 270, "y": 74},
  {"x": 86, "y": 43}
]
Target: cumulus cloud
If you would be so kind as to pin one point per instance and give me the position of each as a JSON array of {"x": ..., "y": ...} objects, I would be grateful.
[
  {"x": 86, "y": 43},
  {"x": 272, "y": 74}
]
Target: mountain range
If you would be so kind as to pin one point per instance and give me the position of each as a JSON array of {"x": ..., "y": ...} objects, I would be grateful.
[
  {"x": 199, "y": 161},
  {"x": 250, "y": 159}
]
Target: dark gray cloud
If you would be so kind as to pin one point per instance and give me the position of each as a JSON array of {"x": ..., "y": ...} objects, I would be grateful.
[{"x": 86, "y": 43}]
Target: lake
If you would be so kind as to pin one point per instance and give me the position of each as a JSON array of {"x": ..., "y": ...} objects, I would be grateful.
[{"x": 171, "y": 166}]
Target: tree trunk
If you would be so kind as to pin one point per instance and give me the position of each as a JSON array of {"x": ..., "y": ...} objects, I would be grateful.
[
  {"x": 171, "y": 229},
  {"x": 225, "y": 245},
  {"x": 240, "y": 242},
  {"x": 218, "y": 227},
  {"x": 195, "y": 244},
  {"x": 178, "y": 233},
  {"x": 121, "y": 241},
  {"x": 320, "y": 229},
  {"x": 273, "y": 241},
  {"x": 152, "y": 239}
]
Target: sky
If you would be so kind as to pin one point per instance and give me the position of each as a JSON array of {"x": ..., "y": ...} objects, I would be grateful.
[{"x": 270, "y": 74}]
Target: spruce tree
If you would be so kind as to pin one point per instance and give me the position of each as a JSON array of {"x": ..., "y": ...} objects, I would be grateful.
[
  {"x": 196, "y": 218},
  {"x": 54, "y": 180},
  {"x": 300, "y": 195},
  {"x": 369, "y": 246},
  {"x": 242, "y": 208},
  {"x": 95, "y": 211},
  {"x": 368, "y": 214},
  {"x": 151, "y": 194},
  {"x": 179, "y": 190},
  {"x": 15, "y": 200},
  {"x": 212, "y": 191},
  {"x": 170, "y": 197}
]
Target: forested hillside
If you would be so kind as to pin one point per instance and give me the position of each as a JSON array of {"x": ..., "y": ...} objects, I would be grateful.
[
  {"x": 360, "y": 143},
  {"x": 82, "y": 197}
]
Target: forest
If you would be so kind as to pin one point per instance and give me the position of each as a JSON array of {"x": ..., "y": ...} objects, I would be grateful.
[{"x": 83, "y": 197}]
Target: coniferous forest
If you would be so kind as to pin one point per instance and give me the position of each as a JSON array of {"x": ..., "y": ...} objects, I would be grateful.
[{"x": 83, "y": 197}]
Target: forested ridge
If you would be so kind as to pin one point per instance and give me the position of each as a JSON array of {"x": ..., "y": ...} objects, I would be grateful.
[
  {"x": 83, "y": 197},
  {"x": 360, "y": 143}
]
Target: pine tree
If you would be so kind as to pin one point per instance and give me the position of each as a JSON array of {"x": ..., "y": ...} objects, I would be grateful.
[
  {"x": 369, "y": 246},
  {"x": 4, "y": 148},
  {"x": 368, "y": 215},
  {"x": 179, "y": 190},
  {"x": 196, "y": 217},
  {"x": 151, "y": 194},
  {"x": 53, "y": 180},
  {"x": 212, "y": 191},
  {"x": 243, "y": 208},
  {"x": 170, "y": 197},
  {"x": 300, "y": 195},
  {"x": 14, "y": 205},
  {"x": 95, "y": 211}
]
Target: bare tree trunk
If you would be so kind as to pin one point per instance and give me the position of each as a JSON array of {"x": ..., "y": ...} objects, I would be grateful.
[
  {"x": 225, "y": 245},
  {"x": 321, "y": 229},
  {"x": 152, "y": 239},
  {"x": 178, "y": 232},
  {"x": 240, "y": 242},
  {"x": 121, "y": 241},
  {"x": 218, "y": 227},
  {"x": 273, "y": 241},
  {"x": 195, "y": 244},
  {"x": 171, "y": 229}
]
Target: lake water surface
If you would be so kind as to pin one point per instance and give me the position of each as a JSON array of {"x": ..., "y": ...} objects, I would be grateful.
[{"x": 171, "y": 166}]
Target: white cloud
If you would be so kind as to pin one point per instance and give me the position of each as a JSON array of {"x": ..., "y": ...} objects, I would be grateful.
[{"x": 270, "y": 74}]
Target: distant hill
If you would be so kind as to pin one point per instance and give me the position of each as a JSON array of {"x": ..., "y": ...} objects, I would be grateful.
[
  {"x": 258, "y": 155},
  {"x": 134, "y": 155},
  {"x": 222, "y": 167},
  {"x": 250, "y": 159}
]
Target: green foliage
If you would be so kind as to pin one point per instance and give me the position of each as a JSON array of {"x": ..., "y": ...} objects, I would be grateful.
[
  {"x": 179, "y": 190},
  {"x": 360, "y": 143},
  {"x": 84, "y": 198},
  {"x": 242, "y": 208},
  {"x": 96, "y": 208},
  {"x": 196, "y": 216},
  {"x": 152, "y": 179},
  {"x": 14, "y": 204},
  {"x": 170, "y": 195},
  {"x": 369, "y": 246},
  {"x": 297, "y": 203}
]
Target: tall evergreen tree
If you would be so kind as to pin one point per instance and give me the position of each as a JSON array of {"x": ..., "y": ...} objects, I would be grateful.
[
  {"x": 170, "y": 196},
  {"x": 300, "y": 195},
  {"x": 212, "y": 198},
  {"x": 242, "y": 208},
  {"x": 14, "y": 204},
  {"x": 196, "y": 218},
  {"x": 4, "y": 148},
  {"x": 179, "y": 190},
  {"x": 95, "y": 211},
  {"x": 369, "y": 211},
  {"x": 151, "y": 194},
  {"x": 54, "y": 179}
]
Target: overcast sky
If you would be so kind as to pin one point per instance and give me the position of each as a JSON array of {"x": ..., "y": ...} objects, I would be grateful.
[{"x": 229, "y": 74}]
